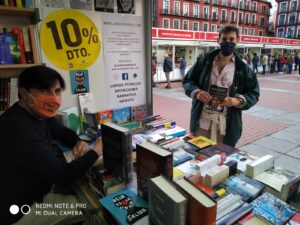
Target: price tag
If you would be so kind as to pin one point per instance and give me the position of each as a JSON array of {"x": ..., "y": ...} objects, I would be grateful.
[{"x": 70, "y": 40}]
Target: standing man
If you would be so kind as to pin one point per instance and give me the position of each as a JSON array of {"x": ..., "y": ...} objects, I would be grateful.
[
  {"x": 182, "y": 67},
  {"x": 255, "y": 61},
  {"x": 264, "y": 63},
  {"x": 153, "y": 69},
  {"x": 217, "y": 71},
  {"x": 28, "y": 167},
  {"x": 167, "y": 67},
  {"x": 296, "y": 60}
]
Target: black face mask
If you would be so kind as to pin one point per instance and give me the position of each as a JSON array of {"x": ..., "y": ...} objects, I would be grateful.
[{"x": 227, "y": 48}]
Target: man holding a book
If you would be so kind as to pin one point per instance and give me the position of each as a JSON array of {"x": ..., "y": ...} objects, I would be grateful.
[{"x": 221, "y": 86}]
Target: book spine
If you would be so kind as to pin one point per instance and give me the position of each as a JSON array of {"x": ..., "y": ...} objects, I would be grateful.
[
  {"x": 164, "y": 125},
  {"x": 168, "y": 171},
  {"x": 127, "y": 156},
  {"x": 19, "y": 3},
  {"x": 33, "y": 43},
  {"x": 18, "y": 32}
]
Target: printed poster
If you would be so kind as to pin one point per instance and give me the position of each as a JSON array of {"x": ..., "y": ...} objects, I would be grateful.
[{"x": 123, "y": 45}]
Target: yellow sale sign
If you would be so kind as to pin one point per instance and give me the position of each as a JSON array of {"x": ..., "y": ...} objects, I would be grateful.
[{"x": 70, "y": 40}]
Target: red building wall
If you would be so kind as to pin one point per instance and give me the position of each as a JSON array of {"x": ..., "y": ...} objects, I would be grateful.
[{"x": 160, "y": 14}]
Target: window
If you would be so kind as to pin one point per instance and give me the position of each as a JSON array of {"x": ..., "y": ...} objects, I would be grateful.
[
  {"x": 252, "y": 31},
  {"x": 224, "y": 15},
  {"x": 280, "y": 32},
  {"x": 263, "y": 9},
  {"x": 176, "y": 8},
  {"x": 185, "y": 25},
  {"x": 215, "y": 2},
  {"x": 290, "y": 32},
  {"x": 255, "y": 6},
  {"x": 292, "y": 19},
  {"x": 298, "y": 33},
  {"x": 281, "y": 20},
  {"x": 241, "y": 5},
  {"x": 186, "y": 9},
  {"x": 166, "y": 6},
  {"x": 253, "y": 19},
  {"x": 233, "y": 3},
  {"x": 196, "y": 10},
  {"x": 205, "y": 26},
  {"x": 176, "y": 24},
  {"x": 166, "y": 23},
  {"x": 195, "y": 25},
  {"x": 247, "y": 18},
  {"x": 213, "y": 28},
  {"x": 232, "y": 18},
  {"x": 248, "y": 5},
  {"x": 224, "y": 2},
  {"x": 260, "y": 33},
  {"x": 205, "y": 11},
  {"x": 246, "y": 31},
  {"x": 214, "y": 13},
  {"x": 294, "y": 6},
  {"x": 240, "y": 30},
  {"x": 262, "y": 22},
  {"x": 240, "y": 17},
  {"x": 283, "y": 7}
]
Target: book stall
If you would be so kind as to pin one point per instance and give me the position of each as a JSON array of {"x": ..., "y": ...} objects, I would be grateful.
[{"x": 154, "y": 172}]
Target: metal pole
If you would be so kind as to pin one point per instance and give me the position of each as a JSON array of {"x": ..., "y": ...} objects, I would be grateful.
[{"x": 238, "y": 12}]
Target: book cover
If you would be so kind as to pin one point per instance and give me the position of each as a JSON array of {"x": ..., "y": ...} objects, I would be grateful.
[
  {"x": 104, "y": 116},
  {"x": 244, "y": 186},
  {"x": 218, "y": 95},
  {"x": 242, "y": 158},
  {"x": 272, "y": 209},
  {"x": 138, "y": 112},
  {"x": 201, "y": 209},
  {"x": 295, "y": 220},
  {"x": 79, "y": 81},
  {"x": 19, "y": 33},
  {"x": 167, "y": 205},
  {"x": 126, "y": 207},
  {"x": 251, "y": 219},
  {"x": 180, "y": 156},
  {"x": 260, "y": 165},
  {"x": 14, "y": 47},
  {"x": 121, "y": 115},
  {"x": 218, "y": 149},
  {"x": 5, "y": 55},
  {"x": 117, "y": 151},
  {"x": 281, "y": 183},
  {"x": 201, "y": 142},
  {"x": 152, "y": 161}
]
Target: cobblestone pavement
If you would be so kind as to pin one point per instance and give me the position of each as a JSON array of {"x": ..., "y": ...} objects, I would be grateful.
[{"x": 270, "y": 127}]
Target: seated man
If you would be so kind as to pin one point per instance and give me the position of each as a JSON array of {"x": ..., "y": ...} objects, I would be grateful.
[{"x": 28, "y": 167}]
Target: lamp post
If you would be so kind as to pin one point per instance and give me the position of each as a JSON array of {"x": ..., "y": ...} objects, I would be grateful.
[{"x": 238, "y": 12}]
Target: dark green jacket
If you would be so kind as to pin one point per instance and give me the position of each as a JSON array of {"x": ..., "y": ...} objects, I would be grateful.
[{"x": 244, "y": 83}]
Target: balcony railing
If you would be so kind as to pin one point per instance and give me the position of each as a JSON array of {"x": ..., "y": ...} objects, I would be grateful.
[
  {"x": 214, "y": 17},
  {"x": 232, "y": 21},
  {"x": 283, "y": 10},
  {"x": 291, "y": 22},
  {"x": 206, "y": 1},
  {"x": 224, "y": 19},
  {"x": 281, "y": 23},
  {"x": 294, "y": 9}
]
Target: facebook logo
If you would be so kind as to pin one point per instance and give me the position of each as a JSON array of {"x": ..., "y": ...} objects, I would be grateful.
[{"x": 125, "y": 76}]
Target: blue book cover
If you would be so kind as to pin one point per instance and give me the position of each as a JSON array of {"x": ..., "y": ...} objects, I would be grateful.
[
  {"x": 244, "y": 186},
  {"x": 121, "y": 115},
  {"x": 126, "y": 207},
  {"x": 272, "y": 209},
  {"x": 79, "y": 81},
  {"x": 5, "y": 56}
]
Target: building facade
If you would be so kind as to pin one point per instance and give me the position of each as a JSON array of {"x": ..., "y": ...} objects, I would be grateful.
[
  {"x": 288, "y": 19},
  {"x": 251, "y": 17}
]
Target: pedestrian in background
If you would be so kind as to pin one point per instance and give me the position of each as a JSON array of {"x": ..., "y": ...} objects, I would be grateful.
[
  {"x": 182, "y": 66},
  {"x": 255, "y": 61},
  {"x": 281, "y": 63},
  {"x": 167, "y": 68},
  {"x": 296, "y": 60},
  {"x": 221, "y": 68},
  {"x": 153, "y": 69},
  {"x": 290, "y": 62},
  {"x": 264, "y": 63}
]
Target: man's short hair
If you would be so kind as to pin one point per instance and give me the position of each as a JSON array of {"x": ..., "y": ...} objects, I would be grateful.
[
  {"x": 39, "y": 77},
  {"x": 229, "y": 28}
]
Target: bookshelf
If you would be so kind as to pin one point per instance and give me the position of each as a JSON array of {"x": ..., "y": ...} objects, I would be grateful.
[{"x": 17, "y": 14}]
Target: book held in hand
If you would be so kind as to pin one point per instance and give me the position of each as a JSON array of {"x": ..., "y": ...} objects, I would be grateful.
[{"x": 218, "y": 95}]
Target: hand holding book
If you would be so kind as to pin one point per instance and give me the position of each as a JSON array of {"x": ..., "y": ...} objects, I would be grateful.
[
  {"x": 204, "y": 97},
  {"x": 230, "y": 102}
]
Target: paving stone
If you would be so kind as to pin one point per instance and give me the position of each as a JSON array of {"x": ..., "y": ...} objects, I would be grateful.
[
  {"x": 287, "y": 136},
  {"x": 293, "y": 129},
  {"x": 288, "y": 163},
  {"x": 294, "y": 153},
  {"x": 290, "y": 118},
  {"x": 258, "y": 150},
  {"x": 275, "y": 144}
]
